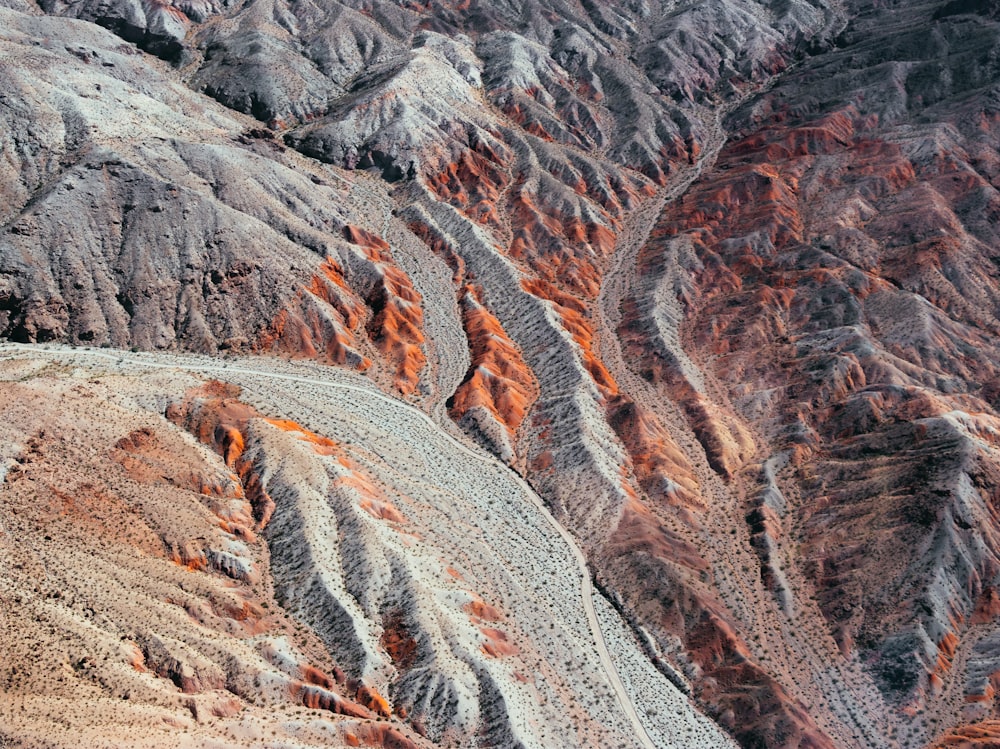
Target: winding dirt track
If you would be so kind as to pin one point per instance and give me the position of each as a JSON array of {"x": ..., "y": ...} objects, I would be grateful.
[{"x": 144, "y": 360}]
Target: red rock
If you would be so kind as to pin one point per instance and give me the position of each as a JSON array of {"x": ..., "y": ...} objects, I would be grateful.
[
  {"x": 381, "y": 735},
  {"x": 985, "y": 735},
  {"x": 318, "y": 698},
  {"x": 663, "y": 471},
  {"x": 397, "y": 640},
  {"x": 321, "y": 445},
  {"x": 363, "y": 238},
  {"x": 560, "y": 247},
  {"x": 375, "y": 702},
  {"x": 474, "y": 184},
  {"x": 395, "y": 326},
  {"x": 221, "y": 422},
  {"x": 572, "y": 312},
  {"x": 324, "y": 318},
  {"x": 498, "y": 380},
  {"x": 302, "y": 329},
  {"x": 482, "y": 610},
  {"x": 313, "y": 675},
  {"x": 497, "y": 645}
]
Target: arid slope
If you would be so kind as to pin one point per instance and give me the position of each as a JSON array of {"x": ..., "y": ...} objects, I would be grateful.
[{"x": 718, "y": 280}]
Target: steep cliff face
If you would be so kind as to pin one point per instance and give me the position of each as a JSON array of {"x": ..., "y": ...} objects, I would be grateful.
[{"x": 719, "y": 280}]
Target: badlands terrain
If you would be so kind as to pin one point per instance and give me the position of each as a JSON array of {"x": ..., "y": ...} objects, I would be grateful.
[{"x": 538, "y": 373}]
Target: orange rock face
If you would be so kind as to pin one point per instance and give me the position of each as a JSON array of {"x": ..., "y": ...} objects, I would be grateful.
[
  {"x": 473, "y": 184},
  {"x": 318, "y": 698},
  {"x": 573, "y": 314},
  {"x": 786, "y": 478},
  {"x": 322, "y": 445},
  {"x": 482, "y": 610},
  {"x": 560, "y": 247},
  {"x": 222, "y": 422},
  {"x": 661, "y": 467},
  {"x": 313, "y": 675},
  {"x": 498, "y": 379},
  {"x": 395, "y": 327},
  {"x": 375, "y": 702},
  {"x": 330, "y": 320},
  {"x": 985, "y": 735},
  {"x": 497, "y": 645},
  {"x": 821, "y": 279},
  {"x": 378, "y": 735},
  {"x": 322, "y": 322},
  {"x": 183, "y": 641}
]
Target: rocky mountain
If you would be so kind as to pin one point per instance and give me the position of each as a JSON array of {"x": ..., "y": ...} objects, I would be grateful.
[{"x": 540, "y": 373}]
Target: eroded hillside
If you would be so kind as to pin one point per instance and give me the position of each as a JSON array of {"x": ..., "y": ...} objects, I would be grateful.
[
  {"x": 715, "y": 283},
  {"x": 215, "y": 569}
]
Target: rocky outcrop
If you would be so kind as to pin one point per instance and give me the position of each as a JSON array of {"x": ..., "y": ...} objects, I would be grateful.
[
  {"x": 982, "y": 735},
  {"x": 176, "y": 249},
  {"x": 498, "y": 390},
  {"x": 395, "y": 325}
]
